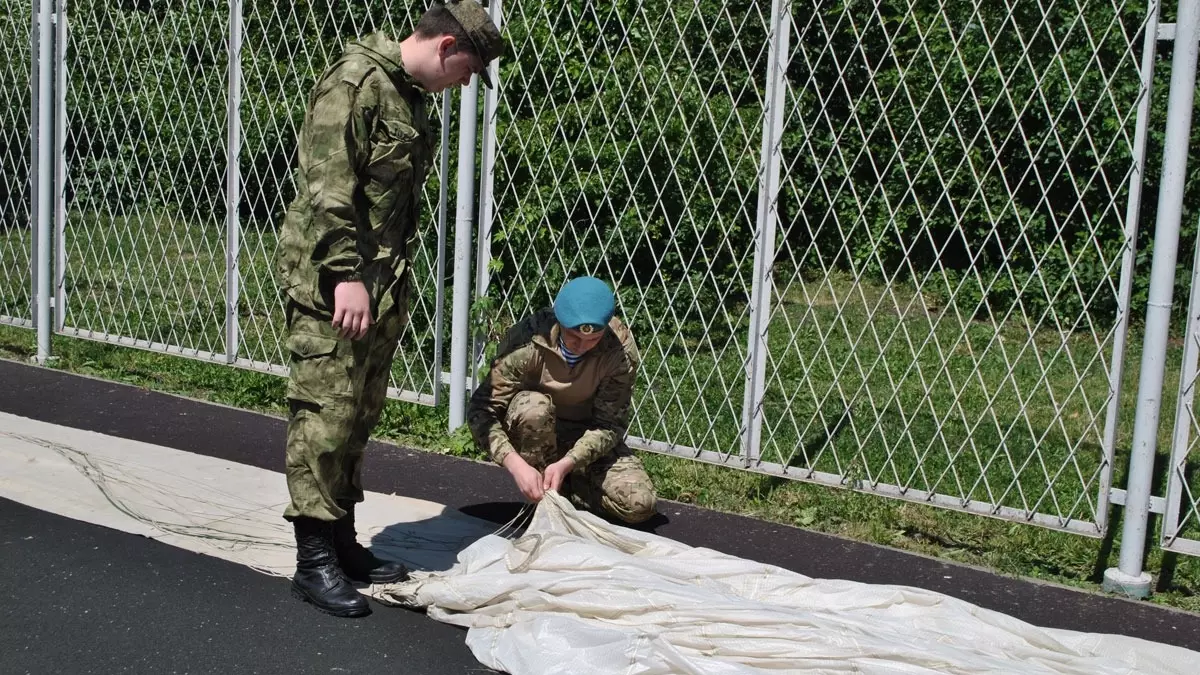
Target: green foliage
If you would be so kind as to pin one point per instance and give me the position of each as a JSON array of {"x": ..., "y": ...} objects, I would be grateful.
[
  {"x": 146, "y": 103},
  {"x": 630, "y": 136},
  {"x": 148, "y": 96},
  {"x": 979, "y": 151}
]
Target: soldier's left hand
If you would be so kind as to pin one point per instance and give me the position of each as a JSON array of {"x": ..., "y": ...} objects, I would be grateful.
[
  {"x": 351, "y": 310},
  {"x": 556, "y": 473}
]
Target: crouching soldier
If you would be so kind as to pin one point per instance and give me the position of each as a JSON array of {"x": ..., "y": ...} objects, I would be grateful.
[{"x": 555, "y": 407}]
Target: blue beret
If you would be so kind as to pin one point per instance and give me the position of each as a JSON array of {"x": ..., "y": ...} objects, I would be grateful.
[{"x": 584, "y": 300}]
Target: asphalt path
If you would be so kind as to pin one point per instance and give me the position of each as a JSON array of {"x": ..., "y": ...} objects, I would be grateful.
[{"x": 80, "y": 598}]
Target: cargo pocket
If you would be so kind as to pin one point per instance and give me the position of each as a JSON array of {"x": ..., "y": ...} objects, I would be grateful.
[
  {"x": 320, "y": 371},
  {"x": 388, "y": 176},
  {"x": 391, "y": 151}
]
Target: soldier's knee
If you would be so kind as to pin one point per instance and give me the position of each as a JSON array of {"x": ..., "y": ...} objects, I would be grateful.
[
  {"x": 315, "y": 430},
  {"x": 633, "y": 506},
  {"x": 530, "y": 408}
]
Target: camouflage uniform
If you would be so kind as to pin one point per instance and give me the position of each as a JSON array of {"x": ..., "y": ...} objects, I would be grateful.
[
  {"x": 364, "y": 152},
  {"x": 536, "y": 405}
]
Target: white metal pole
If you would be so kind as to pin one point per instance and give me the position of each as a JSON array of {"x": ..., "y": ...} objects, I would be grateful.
[
  {"x": 45, "y": 170},
  {"x": 487, "y": 201},
  {"x": 233, "y": 182},
  {"x": 60, "y": 167},
  {"x": 439, "y": 310},
  {"x": 1116, "y": 374},
  {"x": 1128, "y": 577},
  {"x": 34, "y": 103},
  {"x": 768, "y": 214},
  {"x": 1176, "y": 478},
  {"x": 460, "y": 329}
]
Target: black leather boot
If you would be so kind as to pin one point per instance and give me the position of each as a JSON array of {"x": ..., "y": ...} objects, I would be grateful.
[
  {"x": 318, "y": 578},
  {"x": 356, "y": 560}
]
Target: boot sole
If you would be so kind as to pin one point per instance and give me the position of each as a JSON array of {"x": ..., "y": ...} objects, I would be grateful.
[
  {"x": 393, "y": 579},
  {"x": 340, "y": 613}
]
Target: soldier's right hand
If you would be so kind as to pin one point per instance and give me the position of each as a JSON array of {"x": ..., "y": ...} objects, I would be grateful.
[
  {"x": 351, "y": 309},
  {"x": 530, "y": 484},
  {"x": 529, "y": 480}
]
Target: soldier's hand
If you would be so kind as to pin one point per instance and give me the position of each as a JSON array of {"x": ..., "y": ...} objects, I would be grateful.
[
  {"x": 351, "y": 309},
  {"x": 528, "y": 479},
  {"x": 556, "y": 473}
]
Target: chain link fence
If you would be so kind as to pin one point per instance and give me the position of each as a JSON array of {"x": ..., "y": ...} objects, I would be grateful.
[
  {"x": 628, "y": 143},
  {"x": 883, "y": 245},
  {"x": 1181, "y": 523},
  {"x": 16, "y": 147},
  {"x": 144, "y": 235},
  {"x": 170, "y": 243},
  {"x": 928, "y": 309},
  {"x": 949, "y": 256}
]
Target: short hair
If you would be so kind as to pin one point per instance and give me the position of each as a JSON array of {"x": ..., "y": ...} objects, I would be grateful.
[{"x": 438, "y": 21}]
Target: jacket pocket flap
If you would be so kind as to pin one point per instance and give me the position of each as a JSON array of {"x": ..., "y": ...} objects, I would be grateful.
[{"x": 310, "y": 345}]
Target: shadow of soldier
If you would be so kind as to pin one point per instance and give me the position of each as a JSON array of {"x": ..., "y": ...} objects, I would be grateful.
[
  {"x": 429, "y": 545},
  {"x": 433, "y": 544}
]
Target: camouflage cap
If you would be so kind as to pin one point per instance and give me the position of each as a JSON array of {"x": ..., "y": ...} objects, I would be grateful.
[{"x": 485, "y": 37}]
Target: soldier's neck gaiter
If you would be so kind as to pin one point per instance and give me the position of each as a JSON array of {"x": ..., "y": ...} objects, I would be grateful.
[{"x": 570, "y": 357}]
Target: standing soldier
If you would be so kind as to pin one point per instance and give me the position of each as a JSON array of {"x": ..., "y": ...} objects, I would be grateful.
[
  {"x": 344, "y": 270},
  {"x": 555, "y": 408}
]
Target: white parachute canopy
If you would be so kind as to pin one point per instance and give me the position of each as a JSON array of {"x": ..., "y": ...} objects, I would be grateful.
[{"x": 575, "y": 595}]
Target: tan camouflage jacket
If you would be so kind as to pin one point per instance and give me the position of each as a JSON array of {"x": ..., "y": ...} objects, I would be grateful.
[
  {"x": 363, "y": 154},
  {"x": 596, "y": 393}
]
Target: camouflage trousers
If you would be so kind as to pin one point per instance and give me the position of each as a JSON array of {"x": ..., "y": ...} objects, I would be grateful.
[
  {"x": 616, "y": 484},
  {"x": 336, "y": 392}
]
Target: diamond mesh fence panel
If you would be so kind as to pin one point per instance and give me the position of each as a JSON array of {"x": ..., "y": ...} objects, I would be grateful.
[
  {"x": 145, "y": 233},
  {"x": 1181, "y": 524},
  {"x": 15, "y": 148},
  {"x": 147, "y": 153},
  {"x": 954, "y": 197},
  {"x": 949, "y": 235},
  {"x": 949, "y": 244},
  {"x": 628, "y": 142}
]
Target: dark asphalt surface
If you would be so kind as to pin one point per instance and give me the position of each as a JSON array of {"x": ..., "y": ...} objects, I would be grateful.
[{"x": 80, "y": 598}]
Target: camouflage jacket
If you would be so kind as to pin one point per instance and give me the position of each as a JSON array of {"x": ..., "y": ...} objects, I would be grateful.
[
  {"x": 364, "y": 151},
  {"x": 596, "y": 394}
]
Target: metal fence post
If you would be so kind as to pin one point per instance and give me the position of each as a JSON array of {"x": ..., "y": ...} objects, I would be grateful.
[
  {"x": 460, "y": 328},
  {"x": 44, "y": 168},
  {"x": 439, "y": 312},
  {"x": 1137, "y": 176},
  {"x": 1177, "y": 471},
  {"x": 768, "y": 215},
  {"x": 60, "y": 166},
  {"x": 1129, "y": 577},
  {"x": 34, "y": 179},
  {"x": 487, "y": 201},
  {"x": 233, "y": 182}
]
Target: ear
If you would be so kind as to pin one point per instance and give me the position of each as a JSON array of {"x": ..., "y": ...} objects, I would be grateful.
[{"x": 446, "y": 46}]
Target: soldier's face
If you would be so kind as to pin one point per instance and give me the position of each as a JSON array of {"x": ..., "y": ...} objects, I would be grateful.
[
  {"x": 455, "y": 65},
  {"x": 579, "y": 342}
]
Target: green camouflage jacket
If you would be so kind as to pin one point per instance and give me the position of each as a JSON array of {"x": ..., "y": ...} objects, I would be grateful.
[
  {"x": 364, "y": 151},
  {"x": 596, "y": 394}
]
